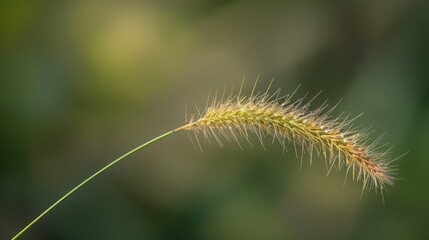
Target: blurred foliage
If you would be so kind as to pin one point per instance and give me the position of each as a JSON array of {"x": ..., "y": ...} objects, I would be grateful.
[{"x": 83, "y": 81}]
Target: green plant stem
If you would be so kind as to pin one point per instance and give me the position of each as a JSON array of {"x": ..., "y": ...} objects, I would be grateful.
[{"x": 90, "y": 178}]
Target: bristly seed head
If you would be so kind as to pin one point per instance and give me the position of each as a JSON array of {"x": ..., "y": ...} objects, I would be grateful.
[{"x": 334, "y": 139}]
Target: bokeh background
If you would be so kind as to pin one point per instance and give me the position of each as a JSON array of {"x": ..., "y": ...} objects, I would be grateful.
[{"x": 82, "y": 82}]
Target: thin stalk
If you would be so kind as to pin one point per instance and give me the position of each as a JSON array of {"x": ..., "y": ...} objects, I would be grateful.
[{"x": 90, "y": 178}]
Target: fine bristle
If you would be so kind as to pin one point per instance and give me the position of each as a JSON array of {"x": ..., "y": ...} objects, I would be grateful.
[{"x": 336, "y": 139}]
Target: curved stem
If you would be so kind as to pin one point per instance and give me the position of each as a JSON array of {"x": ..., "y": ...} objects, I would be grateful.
[{"x": 92, "y": 177}]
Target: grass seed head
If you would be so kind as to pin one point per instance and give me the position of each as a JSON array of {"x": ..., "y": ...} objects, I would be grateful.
[{"x": 336, "y": 139}]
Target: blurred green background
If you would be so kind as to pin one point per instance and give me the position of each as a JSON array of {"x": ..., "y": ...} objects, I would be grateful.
[{"x": 82, "y": 82}]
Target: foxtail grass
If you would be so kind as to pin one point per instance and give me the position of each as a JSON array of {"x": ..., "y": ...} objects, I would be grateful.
[{"x": 290, "y": 122}]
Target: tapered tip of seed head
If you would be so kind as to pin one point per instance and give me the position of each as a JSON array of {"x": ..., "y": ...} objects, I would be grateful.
[{"x": 381, "y": 174}]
